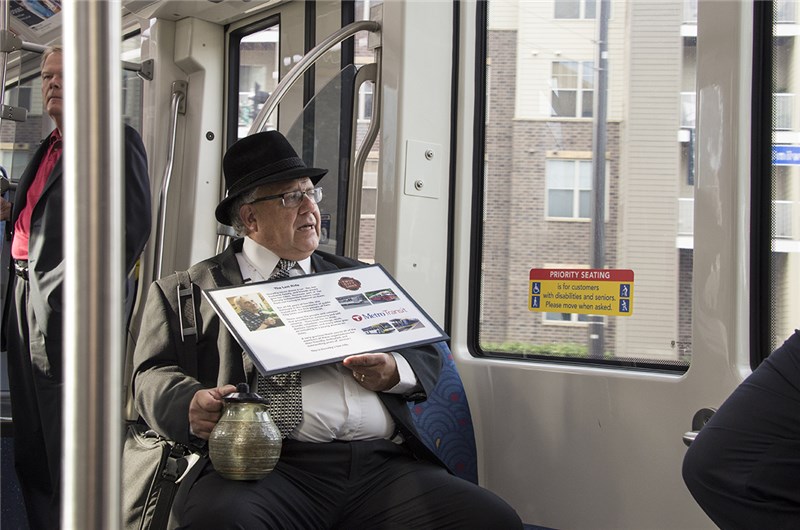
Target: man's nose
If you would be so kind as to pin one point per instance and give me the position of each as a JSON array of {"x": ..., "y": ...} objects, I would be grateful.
[{"x": 307, "y": 203}]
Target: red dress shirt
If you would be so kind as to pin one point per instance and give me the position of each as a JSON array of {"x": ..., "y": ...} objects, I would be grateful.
[{"x": 22, "y": 228}]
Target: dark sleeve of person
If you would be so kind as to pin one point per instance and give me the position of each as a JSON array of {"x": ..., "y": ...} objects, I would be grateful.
[
  {"x": 137, "y": 197},
  {"x": 427, "y": 364},
  {"x": 743, "y": 469}
]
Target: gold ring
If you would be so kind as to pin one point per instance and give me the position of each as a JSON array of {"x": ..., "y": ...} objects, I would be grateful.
[{"x": 363, "y": 376}]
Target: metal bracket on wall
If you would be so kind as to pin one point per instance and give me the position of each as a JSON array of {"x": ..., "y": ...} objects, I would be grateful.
[
  {"x": 143, "y": 69},
  {"x": 179, "y": 89},
  {"x": 18, "y": 114},
  {"x": 11, "y": 43}
]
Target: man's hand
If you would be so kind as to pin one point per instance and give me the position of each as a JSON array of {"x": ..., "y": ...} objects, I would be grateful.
[
  {"x": 5, "y": 210},
  {"x": 206, "y": 409},
  {"x": 374, "y": 371}
]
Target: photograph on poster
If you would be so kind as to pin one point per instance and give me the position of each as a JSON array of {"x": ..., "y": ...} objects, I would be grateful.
[{"x": 255, "y": 312}]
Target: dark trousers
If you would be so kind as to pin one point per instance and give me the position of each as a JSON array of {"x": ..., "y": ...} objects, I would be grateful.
[
  {"x": 35, "y": 382},
  {"x": 743, "y": 468},
  {"x": 368, "y": 484}
]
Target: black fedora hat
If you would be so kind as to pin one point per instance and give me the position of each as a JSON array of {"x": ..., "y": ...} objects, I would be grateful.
[{"x": 259, "y": 159}]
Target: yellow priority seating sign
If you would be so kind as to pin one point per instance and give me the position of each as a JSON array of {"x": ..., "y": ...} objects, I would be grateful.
[{"x": 585, "y": 291}]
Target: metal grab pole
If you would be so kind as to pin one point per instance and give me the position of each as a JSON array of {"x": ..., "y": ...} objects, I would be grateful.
[
  {"x": 178, "y": 96},
  {"x": 599, "y": 142},
  {"x": 93, "y": 265},
  {"x": 4, "y": 8}
]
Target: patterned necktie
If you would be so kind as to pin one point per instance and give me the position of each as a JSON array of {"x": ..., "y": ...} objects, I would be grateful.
[
  {"x": 284, "y": 391},
  {"x": 282, "y": 270}
]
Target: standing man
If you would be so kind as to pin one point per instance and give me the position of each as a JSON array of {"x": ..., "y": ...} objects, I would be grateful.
[
  {"x": 351, "y": 456},
  {"x": 34, "y": 302}
]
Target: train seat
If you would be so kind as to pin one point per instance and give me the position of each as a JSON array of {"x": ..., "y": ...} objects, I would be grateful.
[{"x": 444, "y": 421}]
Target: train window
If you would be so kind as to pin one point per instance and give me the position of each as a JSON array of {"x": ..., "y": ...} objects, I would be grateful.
[
  {"x": 18, "y": 141},
  {"x": 319, "y": 105},
  {"x": 782, "y": 195},
  {"x": 132, "y": 84},
  {"x": 259, "y": 67},
  {"x": 602, "y": 136},
  {"x": 365, "y": 101}
]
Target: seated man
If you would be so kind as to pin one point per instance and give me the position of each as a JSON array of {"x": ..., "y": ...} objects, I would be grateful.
[
  {"x": 351, "y": 456},
  {"x": 743, "y": 468}
]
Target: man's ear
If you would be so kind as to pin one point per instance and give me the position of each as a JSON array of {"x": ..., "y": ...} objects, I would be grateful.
[{"x": 248, "y": 216}]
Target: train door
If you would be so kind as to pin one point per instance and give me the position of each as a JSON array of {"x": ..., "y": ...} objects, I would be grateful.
[
  {"x": 299, "y": 68},
  {"x": 616, "y": 265},
  {"x": 585, "y": 356}
]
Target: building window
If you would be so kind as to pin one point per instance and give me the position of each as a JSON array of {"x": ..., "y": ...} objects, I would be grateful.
[
  {"x": 569, "y": 188},
  {"x": 576, "y": 8},
  {"x": 565, "y": 318},
  {"x": 572, "y": 88}
]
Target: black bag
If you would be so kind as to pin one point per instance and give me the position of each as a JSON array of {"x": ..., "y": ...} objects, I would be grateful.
[{"x": 152, "y": 467}]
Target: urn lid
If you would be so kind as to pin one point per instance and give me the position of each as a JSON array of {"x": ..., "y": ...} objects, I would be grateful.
[{"x": 243, "y": 395}]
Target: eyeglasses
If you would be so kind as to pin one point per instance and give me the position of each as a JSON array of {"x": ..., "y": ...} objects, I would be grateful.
[{"x": 293, "y": 199}]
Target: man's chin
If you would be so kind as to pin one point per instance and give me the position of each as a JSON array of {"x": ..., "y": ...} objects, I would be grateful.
[{"x": 309, "y": 246}]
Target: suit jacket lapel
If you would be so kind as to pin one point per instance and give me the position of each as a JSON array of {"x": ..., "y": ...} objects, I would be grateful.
[
  {"x": 319, "y": 265},
  {"x": 226, "y": 272}
]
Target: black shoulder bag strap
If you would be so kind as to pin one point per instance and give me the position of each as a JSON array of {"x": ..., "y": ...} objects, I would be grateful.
[{"x": 189, "y": 317}]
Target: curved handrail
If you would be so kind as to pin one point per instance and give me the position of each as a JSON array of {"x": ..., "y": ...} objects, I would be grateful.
[
  {"x": 304, "y": 64},
  {"x": 177, "y": 96}
]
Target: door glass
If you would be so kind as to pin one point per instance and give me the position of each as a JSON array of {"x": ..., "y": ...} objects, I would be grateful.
[
  {"x": 321, "y": 119},
  {"x": 258, "y": 75},
  {"x": 785, "y": 257},
  {"x": 132, "y": 84},
  {"x": 557, "y": 204}
]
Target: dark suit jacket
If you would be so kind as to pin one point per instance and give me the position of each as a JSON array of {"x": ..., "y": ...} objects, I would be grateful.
[
  {"x": 45, "y": 249},
  {"x": 162, "y": 387}
]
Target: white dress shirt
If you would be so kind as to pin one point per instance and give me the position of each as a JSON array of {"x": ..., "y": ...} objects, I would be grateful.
[{"x": 335, "y": 406}]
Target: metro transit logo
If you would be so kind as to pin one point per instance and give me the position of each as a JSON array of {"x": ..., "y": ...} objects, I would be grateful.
[{"x": 381, "y": 314}]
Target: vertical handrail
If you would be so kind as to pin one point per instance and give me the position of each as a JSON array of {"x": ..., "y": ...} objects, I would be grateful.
[
  {"x": 93, "y": 266},
  {"x": 353, "y": 226},
  {"x": 4, "y": 9},
  {"x": 178, "y": 97}
]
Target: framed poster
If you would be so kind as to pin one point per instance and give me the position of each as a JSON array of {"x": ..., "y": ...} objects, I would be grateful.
[{"x": 321, "y": 318}]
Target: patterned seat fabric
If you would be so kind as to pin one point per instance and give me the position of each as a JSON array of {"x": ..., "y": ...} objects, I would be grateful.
[{"x": 444, "y": 421}]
